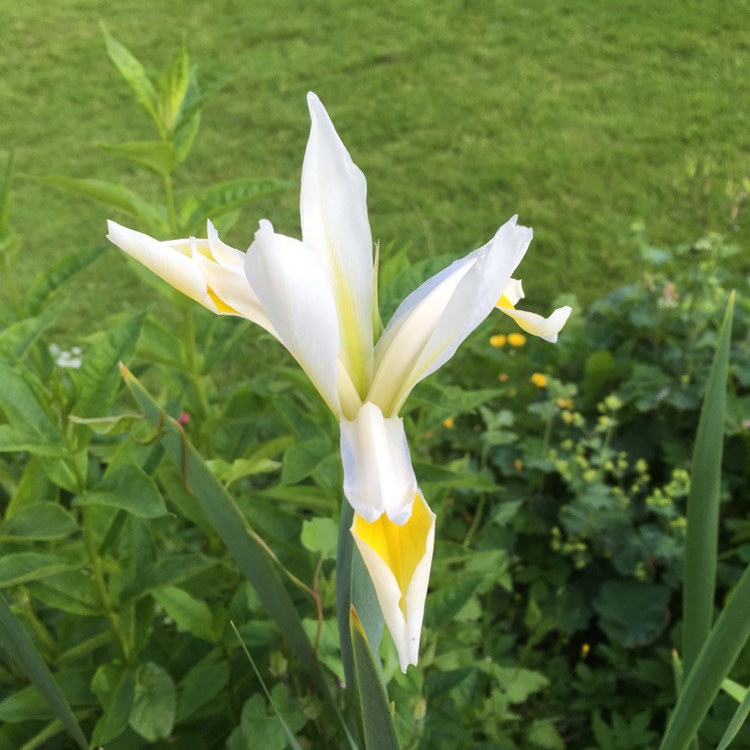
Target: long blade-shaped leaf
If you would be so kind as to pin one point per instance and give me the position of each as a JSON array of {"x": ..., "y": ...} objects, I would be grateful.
[
  {"x": 231, "y": 526},
  {"x": 22, "y": 649},
  {"x": 734, "y": 726},
  {"x": 703, "y": 504},
  {"x": 712, "y": 665},
  {"x": 5, "y": 187},
  {"x": 377, "y": 721}
]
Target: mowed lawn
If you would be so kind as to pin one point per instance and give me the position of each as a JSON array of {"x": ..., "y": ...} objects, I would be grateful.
[{"x": 581, "y": 117}]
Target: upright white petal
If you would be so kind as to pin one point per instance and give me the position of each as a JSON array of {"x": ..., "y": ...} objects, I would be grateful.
[
  {"x": 398, "y": 559},
  {"x": 333, "y": 207},
  {"x": 378, "y": 475},
  {"x": 293, "y": 289},
  {"x": 171, "y": 261},
  {"x": 536, "y": 325},
  {"x": 433, "y": 321}
]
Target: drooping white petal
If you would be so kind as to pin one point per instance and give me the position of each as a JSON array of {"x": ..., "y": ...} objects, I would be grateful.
[
  {"x": 333, "y": 207},
  {"x": 433, "y": 321},
  {"x": 513, "y": 292},
  {"x": 398, "y": 559},
  {"x": 223, "y": 268},
  {"x": 293, "y": 289},
  {"x": 378, "y": 475},
  {"x": 536, "y": 325},
  {"x": 171, "y": 261}
]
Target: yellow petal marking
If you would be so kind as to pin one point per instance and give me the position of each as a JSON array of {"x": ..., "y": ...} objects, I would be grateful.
[
  {"x": 504, "y": 302},
  {"x": 400, "y": 547},
  {"x": 222, "y": 306}
]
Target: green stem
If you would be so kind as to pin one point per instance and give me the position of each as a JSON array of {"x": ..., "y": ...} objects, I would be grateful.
[{"x": 106, "y": 600}]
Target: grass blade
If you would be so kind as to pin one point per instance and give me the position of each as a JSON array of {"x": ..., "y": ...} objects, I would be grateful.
[
  {"x": 17, "y": 644},
  {"x": 734, "y": 726},
  {"x": 703, "y": 504},
  {"x": 719, "y": 652},
  {"x": 377, "y": 721}
]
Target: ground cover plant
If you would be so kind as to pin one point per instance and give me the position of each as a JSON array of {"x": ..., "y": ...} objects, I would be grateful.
[{"x": 560, "y": 476}]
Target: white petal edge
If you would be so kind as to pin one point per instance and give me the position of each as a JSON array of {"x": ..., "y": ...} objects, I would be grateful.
[
  {"x": 536, "y": 325},
  {"x": 406, "y": 630},
  {"x": 171, "y": 261},
  {"x": 378, "y": 475},
  {"x": 432, "y": 322},
  {"x": 333, "y": 211},
  {"x": 293, "y": 289}
]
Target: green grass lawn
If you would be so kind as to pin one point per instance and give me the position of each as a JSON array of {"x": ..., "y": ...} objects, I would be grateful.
[{"x": 581, "y": 117}]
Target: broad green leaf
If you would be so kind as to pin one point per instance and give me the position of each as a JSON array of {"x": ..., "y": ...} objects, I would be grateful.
[
  {"x": 19, "y": 567},
  {"x": 156, "y": 156},
  {"x": 16, "y": 340},
  {"x": 74, "y": 592},
  {"x": 29, "y": 704},
  {"x": 225, "y": 197},
  {"x": 725, "y": 641},
  {"x": 167, "y": 571},
  {"x": 701, "y": 540},
  {"x": 114, "y": 425},
  {"x": 22, "y": 407},
  {"x": 127, "y": 488},
  {"x": 320, "y": 535},
  {"x": 15, "y": 441},
  {"x": 100, "y": 374},
  {"x": 114, "y": 685},
  {"x": 632, "y": 613},
  {"x": 38, "y": 521},
  {"x": 54, "y": 276},
  {"x": 114, "y": 195},
  {"x": 377, "y": 721},
  {"x": 201, "y": 685},
  {"x": 301, "y": 459},
  {"x": 154, "y": 703},
  {"x": 232, "y": 527},
  {"x": 190, "y": 614},
  {"x": 34, "y": 484},
  {"x": 134, "y": 74},
  {"x": 241, "y": 467},
  {"x": 22, "y": 651}
]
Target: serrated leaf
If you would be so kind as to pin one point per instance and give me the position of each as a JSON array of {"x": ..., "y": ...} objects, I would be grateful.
[
  {"x": 134, "y": 74},
  {"x": 100, "y": 374},
  {"x": 174, "y": 84},
  {"x": 21, "y": 405},
  {"x": 114, "y": 195},
  {"x": 190, "y": 614},
  {"x": 225, "y": 197},
  {"x": 42, "y": 521},
  {"x": 156, "y": 156},
  {"x": 54, "y": 276},
  {"x": 154, "y": 703},
  {"x": 16, "y": 340}
]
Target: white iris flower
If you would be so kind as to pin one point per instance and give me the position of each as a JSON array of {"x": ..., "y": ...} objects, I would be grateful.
[{"x": 317, "y": 297}]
